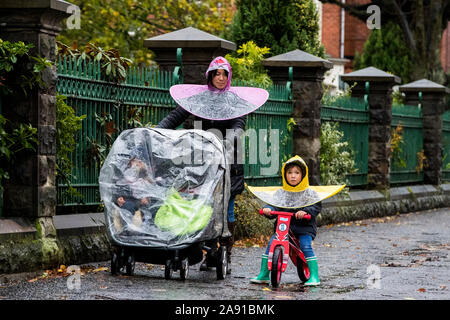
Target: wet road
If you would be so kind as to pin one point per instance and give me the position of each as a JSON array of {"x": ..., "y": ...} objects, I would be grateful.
[{"x": 392, "y": 258}]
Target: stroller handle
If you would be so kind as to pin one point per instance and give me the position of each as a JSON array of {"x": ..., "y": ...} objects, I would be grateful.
[{"x": 306, "y": 216}]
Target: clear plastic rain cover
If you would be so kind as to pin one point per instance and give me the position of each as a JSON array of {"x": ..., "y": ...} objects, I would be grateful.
[{"x": 165, "y": 188}]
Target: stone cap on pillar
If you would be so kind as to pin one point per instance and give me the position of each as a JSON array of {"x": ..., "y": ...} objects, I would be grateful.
[
  {"x": 370, "y": 74},
  {"x": 296, "y": 58},
  {"x": 189, "y": 37},
  {"x": 423, "y": 85},
  {"x": 58, "y": 5}
]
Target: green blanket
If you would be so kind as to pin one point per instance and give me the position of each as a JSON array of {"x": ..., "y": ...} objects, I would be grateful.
[{"x": 182, "y": 217}]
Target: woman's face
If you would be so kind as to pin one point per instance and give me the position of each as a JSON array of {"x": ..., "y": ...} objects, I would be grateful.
[{"x": 219, "y": 79}]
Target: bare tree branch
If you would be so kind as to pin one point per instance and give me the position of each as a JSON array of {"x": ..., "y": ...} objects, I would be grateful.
[{"x": 404, "y": 24}]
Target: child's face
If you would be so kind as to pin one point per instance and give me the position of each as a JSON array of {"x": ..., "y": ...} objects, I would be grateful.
[
  {"x": 294, "y": 175},
  {"x": 120, "y": 201}
]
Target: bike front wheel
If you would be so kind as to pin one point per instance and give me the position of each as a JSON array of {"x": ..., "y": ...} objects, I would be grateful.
[{"x": 277, "y": 262}]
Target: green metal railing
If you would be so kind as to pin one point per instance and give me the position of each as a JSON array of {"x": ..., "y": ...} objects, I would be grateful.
[
  {"x": 446, "y": 146},
  {"x": 406, "y": 167},
  {"x": 111, "y": 108},
  {"x": 268, "y": 142},
  {"x": 352, "y": 114}
]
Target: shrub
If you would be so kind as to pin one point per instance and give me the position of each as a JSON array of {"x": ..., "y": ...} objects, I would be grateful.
[
  {"x": 68, "y": 126},
  {"x": 336, "y": 156},
  {"x": 19, "y": 73},
  {"x": 249, "y": 224},
  {"x": 247, "y": 64}
]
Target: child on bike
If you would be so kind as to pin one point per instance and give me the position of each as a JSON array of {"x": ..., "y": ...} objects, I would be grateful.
[{"x": 301, "y": 200}]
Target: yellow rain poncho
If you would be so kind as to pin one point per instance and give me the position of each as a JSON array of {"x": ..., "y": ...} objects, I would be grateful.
[{"x": 291, "y": 197}]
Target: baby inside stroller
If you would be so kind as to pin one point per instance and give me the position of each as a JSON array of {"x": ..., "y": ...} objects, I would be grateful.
[{"x": 165, "y": 194}]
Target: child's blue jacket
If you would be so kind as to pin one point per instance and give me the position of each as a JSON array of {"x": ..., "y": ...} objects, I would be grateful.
[{"x": 302, "y": 226}]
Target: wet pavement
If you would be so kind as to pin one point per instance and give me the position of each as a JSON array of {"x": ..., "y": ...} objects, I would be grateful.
[{"x": 391, "y": 258}]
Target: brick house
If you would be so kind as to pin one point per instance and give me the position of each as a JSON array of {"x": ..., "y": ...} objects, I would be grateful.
[{"x": 342, "y": 35}]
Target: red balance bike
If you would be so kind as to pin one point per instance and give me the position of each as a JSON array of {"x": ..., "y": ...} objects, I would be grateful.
[{"x": 285, "y": 245}]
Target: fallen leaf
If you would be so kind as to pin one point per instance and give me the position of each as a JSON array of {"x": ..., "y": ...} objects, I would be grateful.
[
  {"x": 266, "y": 289},
  {"x": 101, "y": 269},
  {"x": 422, "y": 290},
  {"x": 394, "y": 244},
  {"x": 32, "y": 280},
  {"x": 62, "y": 269},
  {"x": 103, "y": 287},
  {"x": 283, "y": 297}
]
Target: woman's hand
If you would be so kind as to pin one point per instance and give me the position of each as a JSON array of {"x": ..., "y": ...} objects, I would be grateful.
[{"x": 300, "y": 214}]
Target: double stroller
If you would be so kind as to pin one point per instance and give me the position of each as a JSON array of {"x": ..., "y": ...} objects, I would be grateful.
[{"x": 166, "y": 195}]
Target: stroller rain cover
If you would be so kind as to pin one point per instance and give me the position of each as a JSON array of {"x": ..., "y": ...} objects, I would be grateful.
[{"x": 165, "y": 188}]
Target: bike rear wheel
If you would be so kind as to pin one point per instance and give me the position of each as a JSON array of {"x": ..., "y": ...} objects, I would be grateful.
[
  {"x": 302, "y": 270},
  {"x": 277, "y": 262}
]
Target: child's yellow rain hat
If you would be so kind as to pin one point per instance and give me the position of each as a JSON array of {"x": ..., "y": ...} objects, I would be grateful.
[{"x": 298, "y": 196}]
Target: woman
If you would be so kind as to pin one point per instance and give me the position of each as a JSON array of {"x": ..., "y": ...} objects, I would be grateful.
[{"x": 218, "y": 106}]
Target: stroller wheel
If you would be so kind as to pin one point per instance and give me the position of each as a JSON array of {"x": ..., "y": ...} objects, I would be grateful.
[
  {"x": 129, "y": 266},
  {"x": 114, "y": 264},
  {"x": 168, "y": 271},
  {"x": 222, "y": 263},
  {"x": 184, "y": 270},
  {"x": 275, "y": 275}
]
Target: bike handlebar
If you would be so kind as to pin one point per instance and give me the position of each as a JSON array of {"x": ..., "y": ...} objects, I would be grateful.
[{"x": 306, "y": 216}]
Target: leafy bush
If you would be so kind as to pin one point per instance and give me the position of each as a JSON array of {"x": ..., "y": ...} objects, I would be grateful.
[
  {"x": 19, "y": 71},
  {"x": 386, "y": 49},
  {"x": 308, "y": 28},
  {"x": 397, "y": 143},
  {"x": 249, "y": 223},
  {"x": 247, "y": 66},
  {"x": 112, "y": 66},
  {"x": 336, "y": 156},
  {"x": 269, "y": 23},
  {"x": 68, "y": 126},
  {"x": 13, "y": 139}
]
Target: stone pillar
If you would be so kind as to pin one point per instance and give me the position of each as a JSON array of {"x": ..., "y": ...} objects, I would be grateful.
[
  {"x": 31, "y": 189},
  {"x": 432, "y": 98},
  {"x": 198, "y": 48},
  {"x": 380, "y": 112},
  {"x": 307, "y": 76}
]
